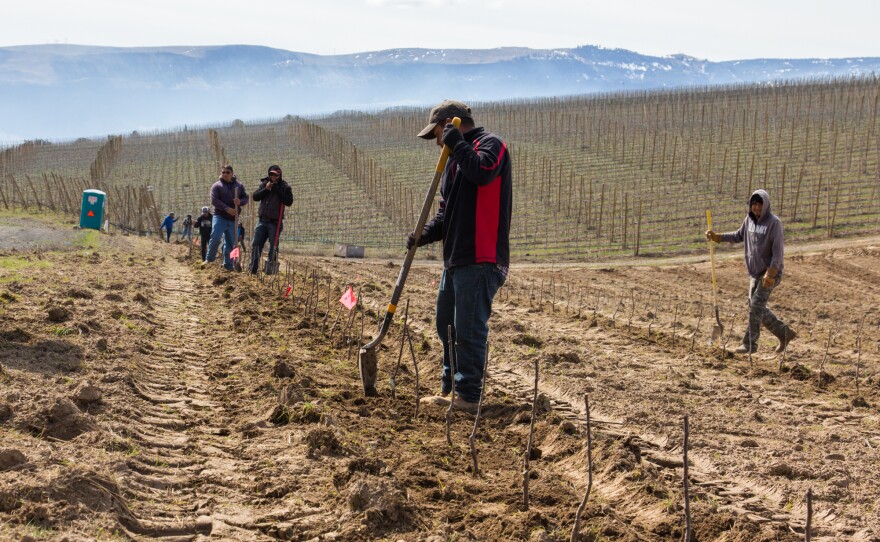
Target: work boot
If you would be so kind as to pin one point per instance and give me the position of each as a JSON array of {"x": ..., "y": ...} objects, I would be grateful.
[
  {"x": 789, "y": 336},
  {"x": 443, "y": 402},
  {"x": 466, "y": 406},
  {"x": 743, "y": 349},
  {"x": 435, "y": 401}
]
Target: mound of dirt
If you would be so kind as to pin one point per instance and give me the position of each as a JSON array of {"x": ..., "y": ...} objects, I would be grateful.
[
  {"x": 323, "y": 441},
  {"x": 381, "y": 503},
  {"x": 58, "y": 314},
  {"x": 283, "y": 370},
  {"x": 87, "y": 393},
  {"x": 65, "y": 421},
  {"x": 11, "y": 458},
  {"x": 16, "y": 335},
  {"x": 79, "y": 293}
]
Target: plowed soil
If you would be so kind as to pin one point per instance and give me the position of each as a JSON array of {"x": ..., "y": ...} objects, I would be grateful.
[{"x": 143, "y": 397}]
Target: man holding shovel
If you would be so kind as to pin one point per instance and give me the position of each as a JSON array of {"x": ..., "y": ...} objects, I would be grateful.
[
  {"x": 228, "y": 196},
  {"x": 473, "y": 221},
  {"x": 761, "y": 232},
  {"x": 273, "y": 194}
]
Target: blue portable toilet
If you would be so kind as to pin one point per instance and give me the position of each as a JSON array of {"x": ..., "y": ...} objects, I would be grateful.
[{"x": 92, "y": 213}]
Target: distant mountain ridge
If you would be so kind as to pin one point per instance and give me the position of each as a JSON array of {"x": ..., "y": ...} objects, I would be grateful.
[{"x": 67, "y": 91}]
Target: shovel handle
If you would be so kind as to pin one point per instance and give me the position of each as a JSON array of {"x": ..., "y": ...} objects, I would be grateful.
[
  {"x": 712, "y": 257},
  {"x": 410, "y": 254}
]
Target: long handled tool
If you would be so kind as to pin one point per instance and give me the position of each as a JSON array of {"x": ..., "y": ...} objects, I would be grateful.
[
  {"x": 367, "y": 361},
  {"x": 236, "y": 262},
  {"x": 272, "y": 261},
  {"x": 718, "y": 329}
]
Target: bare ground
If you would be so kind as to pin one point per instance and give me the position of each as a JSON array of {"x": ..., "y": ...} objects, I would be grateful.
[{"x": 145, "y": 398}]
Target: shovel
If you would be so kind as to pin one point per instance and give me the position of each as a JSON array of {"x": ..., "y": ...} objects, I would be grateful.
[
  {"x": 367, "y": 360},
  {"x": 718, "y": 329}
]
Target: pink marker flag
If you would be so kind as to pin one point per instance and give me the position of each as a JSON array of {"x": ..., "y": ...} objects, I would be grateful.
[
  {"x": 287, "y": 291},
  {"x": 234, "y": 253},
  {"x": 348, "y": 298}
]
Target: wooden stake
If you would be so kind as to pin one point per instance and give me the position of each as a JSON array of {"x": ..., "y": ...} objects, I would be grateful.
[
  {"x": 688, "y": 532},
  {"x": 472, "y": 440},
  {"x": 526, "y": 470},
  {"x": 575, "y": 531}
]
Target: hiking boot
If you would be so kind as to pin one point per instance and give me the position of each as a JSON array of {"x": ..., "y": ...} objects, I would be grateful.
[
  {"x": 435, "y": 401},
  {"x": 783, "y": 342},
  {"x": 743, "y": 349},
  {"x": 443, "y": 402},
  {"x": 466, "y": 406}
]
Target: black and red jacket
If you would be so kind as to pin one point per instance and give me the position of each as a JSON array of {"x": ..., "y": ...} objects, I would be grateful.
[{"x": 475, "y": 203}]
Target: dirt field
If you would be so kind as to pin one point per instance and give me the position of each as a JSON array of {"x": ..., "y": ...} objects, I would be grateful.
[{"x": 143, "y": 397}]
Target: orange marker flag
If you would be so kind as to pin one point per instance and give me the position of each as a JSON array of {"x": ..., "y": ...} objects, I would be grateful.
[
  {"x": 348, "y": 298},
  {"x": 287, "y": 291}
]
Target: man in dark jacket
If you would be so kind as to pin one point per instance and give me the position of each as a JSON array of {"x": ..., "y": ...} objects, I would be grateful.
[
  {"x": 203, "y": 223},
  {"x": 228, "y": 196},
  {"x": 473, "y": 221},
  {"x": 761, "y": 231},
  {"x": 273, "y": 193}
]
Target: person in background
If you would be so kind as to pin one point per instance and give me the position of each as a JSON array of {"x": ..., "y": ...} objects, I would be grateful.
[
  {"x": 761, "y": 233},
  {"x": 168, "y": 225},
  {"x": 241, "y": 241},
  {"x": 473, "y": 221},
  {"x": 187, "y": 228},
  {"x": 203, "y": 223},
  {"x": 272, "y": 194},
  {"x": 228, "y": 196}
]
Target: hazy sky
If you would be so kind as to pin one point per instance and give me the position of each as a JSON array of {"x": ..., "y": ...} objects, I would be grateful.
[{"x": 706, "y": 29}]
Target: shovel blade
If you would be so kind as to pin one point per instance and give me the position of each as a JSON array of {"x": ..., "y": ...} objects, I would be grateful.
[
  {"x": 367, "y": 367},
  {"x": 717, "y": 332}
]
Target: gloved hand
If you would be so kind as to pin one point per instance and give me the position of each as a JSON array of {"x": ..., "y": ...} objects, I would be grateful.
[
  {"x": 452, "y": 135},
  {"x": 769, "y": 277},
  {"x": 712, "y": 236},
  {"x": 411, "y": 239}
]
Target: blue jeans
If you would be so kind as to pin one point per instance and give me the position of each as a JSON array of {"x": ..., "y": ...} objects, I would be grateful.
[
  {"x": 464, "y": 301},
  {"x": 203, "y": 244},
  {"x": 225, "y": 228},
  {"x": 168, "y": 235},
  {"x": 760, "y": 314},
  {"x": 187, "y": 233},
  {"x": 263, "y": 231}
]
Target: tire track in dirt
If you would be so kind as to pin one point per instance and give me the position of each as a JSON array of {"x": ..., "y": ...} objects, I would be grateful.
[{"x": 187, "y": 479}]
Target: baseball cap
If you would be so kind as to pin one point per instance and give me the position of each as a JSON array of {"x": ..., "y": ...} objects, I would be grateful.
[
  {"x": 446, "y": 109},
  {"x": 276, "y": 169}
]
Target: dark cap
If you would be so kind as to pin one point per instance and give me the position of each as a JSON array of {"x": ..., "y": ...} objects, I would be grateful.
[
  {"x": 446, "y": 109},
  {"x": 756, "y": 198},
  {"x": 276, "y": 169}
]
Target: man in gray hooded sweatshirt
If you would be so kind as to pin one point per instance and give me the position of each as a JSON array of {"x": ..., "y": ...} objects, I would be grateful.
[{"x": 762, "y": 233}]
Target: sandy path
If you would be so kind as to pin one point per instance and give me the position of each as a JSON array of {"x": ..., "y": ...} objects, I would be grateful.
[{"x": 189, "y": 480}]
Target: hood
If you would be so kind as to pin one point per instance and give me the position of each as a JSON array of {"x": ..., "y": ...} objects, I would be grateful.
[{"x": 765, "y": 212}]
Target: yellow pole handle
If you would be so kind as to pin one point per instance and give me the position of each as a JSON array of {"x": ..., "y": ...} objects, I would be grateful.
[
  {"x": 712, "y": 256},
  {"x": 444, "y": 154}
]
